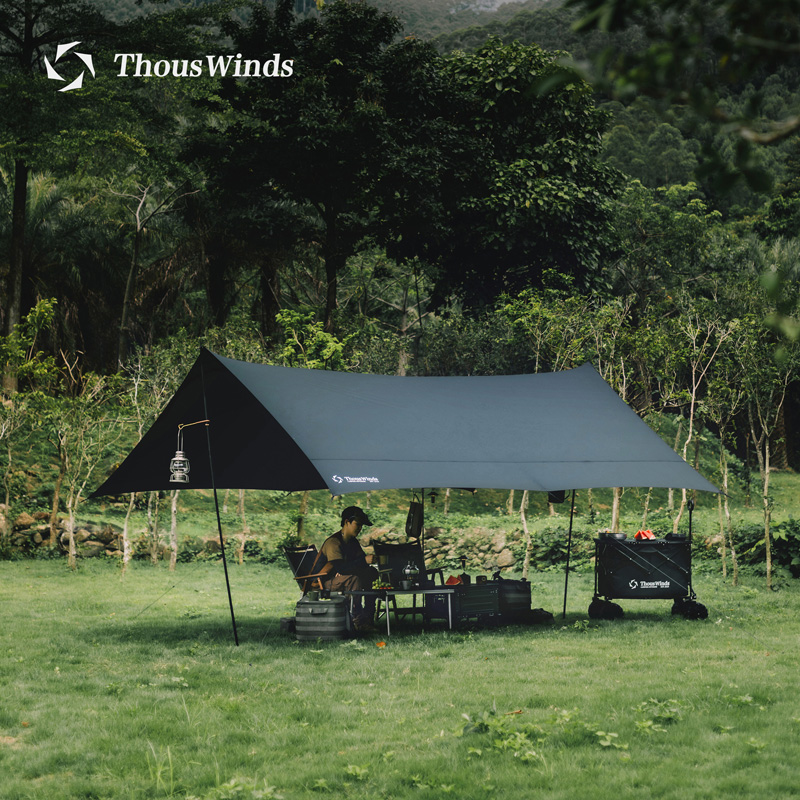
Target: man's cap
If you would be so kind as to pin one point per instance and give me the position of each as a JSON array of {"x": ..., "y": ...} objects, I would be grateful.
[{"x": 354, "y": 512}]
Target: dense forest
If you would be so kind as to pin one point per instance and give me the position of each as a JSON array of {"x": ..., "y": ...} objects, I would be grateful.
[{"x": 409, "y": 187}]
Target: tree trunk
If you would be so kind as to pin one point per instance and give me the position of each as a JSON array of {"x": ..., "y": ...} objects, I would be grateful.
[
  {"x": 446, "y": 501},
  {"x": 689, "y": 438},
  {"x": 127, "y": 301},
  {"x": 245, "y": 529},
  {"x": 510, "y": 503},
  {"x": 72, "y": 557},
  {"x": 127, "y": 550},
  {"x": 301, "y": 517},
  {"x": 617, "y": 495},
  {"x": 767, "y": 514},
  {"x": 723, "y": 550},
  {"x": 334, "y": 263},
  {"x": 527, "y": 536},
  {"x": 16, "y": 260},
  {"x": 761, "y": 444},
  {"x": 62, "y": 469},
  {"x": 748, "y": 465},
  {"x": 173, "y": 531},
  {"x": 646, "y": 507},
  {"x": 402, "y": 359},
  {"x": 679, "y": 516},
  {"x": 7, "y": 476},
  {"x": 152, "y": 525},
  {"x": 671, "y": 491},
  {"x": 726, "y": 507}
]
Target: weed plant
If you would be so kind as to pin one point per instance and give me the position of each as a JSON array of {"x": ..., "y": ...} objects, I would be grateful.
[{"x": 133, "y": 688}]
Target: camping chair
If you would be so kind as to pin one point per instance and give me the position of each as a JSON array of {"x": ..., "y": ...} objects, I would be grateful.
[
  {"x": 302, "y": 561},
  {"x": 393, "y": 558}
]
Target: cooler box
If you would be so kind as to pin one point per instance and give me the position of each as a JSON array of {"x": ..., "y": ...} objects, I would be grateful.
[{"x": 322, "y": 619}]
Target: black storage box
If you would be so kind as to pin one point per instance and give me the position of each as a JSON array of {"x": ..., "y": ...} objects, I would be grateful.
[
  {"x": 515, "y": 599},
  {"x": 646, "y": 568},
  {"x": 478, "y": 600}
]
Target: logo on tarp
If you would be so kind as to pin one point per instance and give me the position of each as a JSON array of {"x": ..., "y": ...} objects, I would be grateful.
[
  {"x": 634, "y": 584},
  {"x": 349, "y": 479},
  {"x": 62, "y": 50}
]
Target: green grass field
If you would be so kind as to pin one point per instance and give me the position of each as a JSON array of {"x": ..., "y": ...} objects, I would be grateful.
[{"x": 134, "y": 689}]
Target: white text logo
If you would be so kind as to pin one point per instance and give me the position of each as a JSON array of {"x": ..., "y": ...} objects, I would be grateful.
[{"x": 135, "y": 65}]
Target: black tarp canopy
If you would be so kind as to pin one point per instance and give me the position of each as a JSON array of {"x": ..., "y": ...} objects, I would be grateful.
[{"x": 295, "y": 429}]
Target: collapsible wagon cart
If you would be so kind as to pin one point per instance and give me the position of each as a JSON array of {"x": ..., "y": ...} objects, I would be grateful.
[{"x": 639, "y": 569}]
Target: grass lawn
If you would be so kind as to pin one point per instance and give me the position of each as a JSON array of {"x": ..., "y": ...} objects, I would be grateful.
[{"x": 134, "y": 689}]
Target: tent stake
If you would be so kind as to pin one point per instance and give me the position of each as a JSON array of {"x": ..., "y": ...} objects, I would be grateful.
[
  {"x": 219, "y": 521},
  {"x": 569, "y": 549}
]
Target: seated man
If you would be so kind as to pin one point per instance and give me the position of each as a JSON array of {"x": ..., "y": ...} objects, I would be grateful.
[{"x": 346, "y": 566}]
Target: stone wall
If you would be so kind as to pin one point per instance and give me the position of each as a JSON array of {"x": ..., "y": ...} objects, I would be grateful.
[
  {"x": 485, "y": 551},
  {"x": 32, "y": 531}
]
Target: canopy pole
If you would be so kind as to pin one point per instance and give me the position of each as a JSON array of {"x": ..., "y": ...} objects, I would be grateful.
[
  {"x": 569, "y": 549},
  {"x": 216, "y": 507},
  {"x": 422, "y": 528}
]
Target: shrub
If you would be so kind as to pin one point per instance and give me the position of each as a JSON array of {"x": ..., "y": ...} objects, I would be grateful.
[{"x": 749, "y": 540}]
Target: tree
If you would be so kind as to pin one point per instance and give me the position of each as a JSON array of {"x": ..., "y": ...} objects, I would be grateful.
[
  {"x": 723, "y": 403},
  {"x": 767, "y": 382},
  {"x": 522, "y": 188},
  {"x": 21, "y": 358},
  {"x": 82, "y": 425},
  {"x": 33, "y": 114},
  {"x": 704, "y": 333},
  {"x": 146, "y": 207},
  {"x": 663, "y": 241},
  {"x": 693, "y": 53},
  {"x": 304, "y": 155}
]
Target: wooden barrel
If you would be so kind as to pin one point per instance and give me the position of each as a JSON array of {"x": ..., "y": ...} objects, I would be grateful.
[{"x": 322, "y": 619}]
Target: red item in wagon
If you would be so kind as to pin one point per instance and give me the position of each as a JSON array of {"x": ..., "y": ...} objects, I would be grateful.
[{"x": 648, "y": 534}]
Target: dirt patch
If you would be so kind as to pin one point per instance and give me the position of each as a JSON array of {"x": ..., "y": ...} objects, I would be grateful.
[{"x": 10, "y": 741}]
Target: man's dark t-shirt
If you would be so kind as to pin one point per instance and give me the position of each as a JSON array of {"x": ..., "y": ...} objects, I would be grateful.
[{"x": 348, "y": 557}]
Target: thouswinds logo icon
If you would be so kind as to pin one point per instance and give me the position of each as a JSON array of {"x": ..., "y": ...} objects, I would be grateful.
[
  {"x": 61, "y": 51},
  {"x": 137, "y": 65}
]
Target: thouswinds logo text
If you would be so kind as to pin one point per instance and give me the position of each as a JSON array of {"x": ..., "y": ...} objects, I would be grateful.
[{"x": 135, "y": 65}]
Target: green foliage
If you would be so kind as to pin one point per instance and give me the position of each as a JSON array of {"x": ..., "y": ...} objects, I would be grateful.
[
  {"x": 785, "y": 545},
  {"x": 683, "y": 41},
  {"x": 549, "y": 549},
  {"x": 538, "y": 195},
  {"x": 306, "y": 344},
  {"x": 19, "y": 351}
]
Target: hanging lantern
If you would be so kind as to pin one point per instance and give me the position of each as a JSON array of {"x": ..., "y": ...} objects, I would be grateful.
[
  {"x": 179, "y": 468},
  {"x": 179, "y": 465}
]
